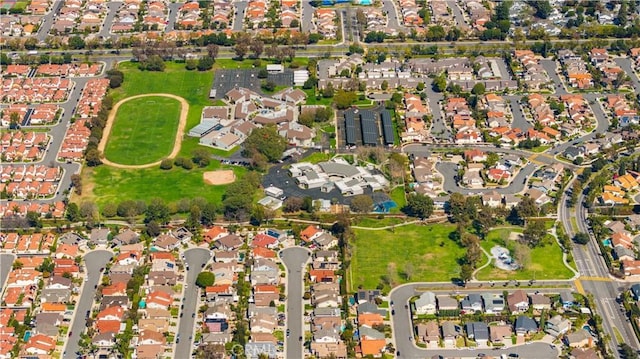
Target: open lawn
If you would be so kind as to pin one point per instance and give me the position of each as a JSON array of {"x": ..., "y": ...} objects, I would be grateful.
[
  {"x": 143, "y": 131},
  {"x": 543, "y": 262},
  {"x": 398, "y": 196},
  {"x": 426, "y": 251},
  {"x": 106, "y": 184},
  {"x": 145, "y": 184}
]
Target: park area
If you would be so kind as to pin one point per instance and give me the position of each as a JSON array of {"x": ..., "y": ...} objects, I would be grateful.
[
  {"x": 105, "y": 184},
  {"x": 411, "y": 253},
  {"x": 540, "y": 263},
  {"x": 143, "y": 131}
]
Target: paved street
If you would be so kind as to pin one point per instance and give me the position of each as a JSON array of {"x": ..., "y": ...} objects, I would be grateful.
[
  {"x": 458, "y": 15},
  {"x": 6, "y": 261},
  {"x": 195, "y": 258},
  {"x": 93, "y": 261},
  {"x": 173, "y": 15},
  {"x": 449, "y": 170},
  {"x": 393, "y": 15},
  {"x": 307, "y": 16},
  {"x": 625, "y": 64},
  {"x": 519, "y": 120},
  {"x": 241, "y": 7},
  {"x": 405, "y": 345},
  {"x": 294, "y": 259},
  {"x": 112, "y": 7},
  {"x": 47, "y": 21},
  {"x": 439, "y": 128}
]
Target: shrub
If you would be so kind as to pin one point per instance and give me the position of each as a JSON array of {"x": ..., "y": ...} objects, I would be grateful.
[{"x": 166, "y": 164}]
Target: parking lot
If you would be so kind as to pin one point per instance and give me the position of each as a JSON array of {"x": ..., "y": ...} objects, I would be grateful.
[{"x": 226, "y": 80}]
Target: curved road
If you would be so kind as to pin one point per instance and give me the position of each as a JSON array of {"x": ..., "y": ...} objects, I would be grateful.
[
  {"x": 196, "y": 259},
  {"x": 93, "y": 261},
  {"x": 184, "y": 111},
  {"x": 295, "y": 260}
]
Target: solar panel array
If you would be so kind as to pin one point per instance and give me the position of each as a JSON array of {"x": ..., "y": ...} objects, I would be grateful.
[
  {"x": 369, "y": 128},
  {"x": 350, "y": 128},
  {"x": 387, "y": 127}
]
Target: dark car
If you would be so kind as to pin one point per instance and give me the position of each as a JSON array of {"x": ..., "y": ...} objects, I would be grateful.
[
  {"x": 393, "y": 312},
  {"x": 300, "y": 338},
  {"x": 193, "y": 315},
  {"x": 288, "y": 332}
]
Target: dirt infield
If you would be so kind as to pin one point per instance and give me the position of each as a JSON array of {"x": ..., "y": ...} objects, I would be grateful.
[
  {"x": 184, "y": 111},
  {"x": 219, "y": 177}
]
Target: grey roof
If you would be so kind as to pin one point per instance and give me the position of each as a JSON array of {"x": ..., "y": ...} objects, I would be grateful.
[
  {"x": 524, "y": 323},
  {"x": 426, "y": 298},
  {"x": 253, "y": 350},
  {"x": 56, "y": 295},
  {"x": 71, "y": 238},
  {"x": 370, "y": 333},
  {"x": 339, "y": 169},
  {"x": 99, "y": 235},
  {"x": 450, "y": 329},
  {"x": 367, "y": 295},
  {"x": 477, "y": 330},
  {"x": 567, "y": 297},
  {"x": 369, "y": 307},
  {"x": 447, "y": 301}
]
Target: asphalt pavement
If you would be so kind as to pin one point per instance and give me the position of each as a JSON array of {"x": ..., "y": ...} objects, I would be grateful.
[
  {"x": 294, "y": 259},
  {"x": 519, "y": 120},
  {"x": 238, "y": 21},
  {"x": 6, "y": 262},
  {"x": 393, "y": 19},
  {"x": 93, "y": 261},
  {"x": 439, "y": 128},
  {"x": 449, "y": 170},
  {"x": 47, "y": 21},
  {"x": 307, "y": 16},
  {"x": 196, "y": 259},
  {"x": 112, "y": 11},
  {"x": 174, "y": 7}
]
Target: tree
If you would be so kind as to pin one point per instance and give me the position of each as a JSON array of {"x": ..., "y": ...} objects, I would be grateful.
[
  {"x": 385, "y": 85},
  {"x": 205, "y": 279},
  {"x": 33, "y": 218},
  {"x": 205, "y": 63},
  {"x": 257, "y": 47},
  {"x": 17, "y": 264},
  {"x": 76, "y": 43},
  {"x": 440, "y": 83},
  {"x": 157, "y": 211},
  {"x": 267, "y": 142},
  {"x": 73, "y": 212},
  {"x": 116, "y": 77},
  {"x": 344, "y": 99},
  {"x": 534, "y": 233},
  {"x": 627, "y": 352},
  {"x": 268, "y": 86},
  {"x": 361, "y": 204},
  {"x": 478, "y": 89},
  {"x": 292, "y": 204},
  {"x": 212, "y": 50},
  {"x": 152, "y": 229},
  {"x": 201, "y": 157},
  {"x": 166, "y": 164},
  {"x": 152, "y": 63},
  {"x": 419, "y": 205},
  {"x": 466, "y": 273},
  {"x": 526, "y": 208},
  {"x": 109, "y": 210},
  {"x": 581, "y": 238},
  {"x": 92, "y": 157},
  {"x": 241, "y": 48}
]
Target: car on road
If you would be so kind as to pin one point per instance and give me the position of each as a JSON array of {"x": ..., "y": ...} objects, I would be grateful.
[
  {"x": 193, "y": 315},
  {"x": 178, "y": 338},
  {"x": 300, "y": 338},
  {"x": 393, "y": 312},
  {"x": 288, "y": 333}
]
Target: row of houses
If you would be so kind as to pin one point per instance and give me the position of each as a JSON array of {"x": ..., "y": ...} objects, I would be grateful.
[
  {"x": 612, "y": 74},
  {"x": 575, "y": 69},
  {"x": 80, "y": 16},
  {"x": 54, "y": 70},
  {"x": 11, "y": 209},
  {"x": 621, "y": 110},
  {"x": 19, "y": 25},
  {"x": 325, "y": 22},
  {"x": 415, "y": 113},
  {"x": 126, "y": 17},
  {"x": 19, "y": 146},
  {"x": 77, "y": 135},
  {"x": 35, "y": 89},
  {"x": 479, "y": 15},
  {"x": 156, "y": 15},
  {"x": 38, "y": 114},
  {"x": 441, "y": 13},
  {"x": 326, "y": 319},
  {"x": 528, "y": 69},
  {"x": 458, "y": 114},
  {"x": 27, "y": 243},
  {"x": 29, "y": 181},
  {"x": 410, "y": 13}
]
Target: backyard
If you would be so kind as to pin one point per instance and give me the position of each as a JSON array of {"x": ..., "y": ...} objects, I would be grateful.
[
  {"x": 107, "y": 184},
  {"x": 542, "y": 262},
  {"x": 412, "y": 253},
  {"x": 143, "y": 131}
]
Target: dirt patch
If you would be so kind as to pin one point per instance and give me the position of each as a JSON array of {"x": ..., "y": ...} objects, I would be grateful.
[
  {"x": 515, "y": 236},
  {"x": 219, "y": 177}
]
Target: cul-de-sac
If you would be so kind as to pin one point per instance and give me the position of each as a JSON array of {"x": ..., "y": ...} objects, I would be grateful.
[{"x": 320, "y": 179}]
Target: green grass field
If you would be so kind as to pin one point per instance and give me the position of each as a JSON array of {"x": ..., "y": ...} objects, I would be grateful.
[
  {"x": 398, "y": 196},
  {"x": 428, "y": 249},
  {"x": 144, "y": 130},
  {"x": 106, "y": 184},
  {"x": 543, "y": 263}
]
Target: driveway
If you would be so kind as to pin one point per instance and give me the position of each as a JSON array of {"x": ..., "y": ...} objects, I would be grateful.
[
  {"x": 93, "y": 261},
  {"x": 294, "y": 259},
  {"x": 195, "y": 258}
]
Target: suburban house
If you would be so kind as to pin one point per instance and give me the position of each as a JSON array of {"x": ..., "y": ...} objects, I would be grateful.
[
  {"x": 518, "y": 302},
  {"x": 425, "y": 304},
  {"x": 557, "y": 326}
]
